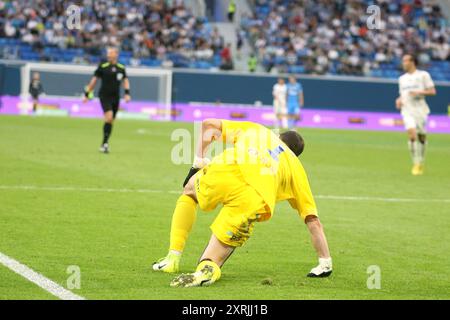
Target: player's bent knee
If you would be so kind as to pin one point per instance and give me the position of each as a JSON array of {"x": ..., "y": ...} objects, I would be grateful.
[{"x": 109, "y": 117}]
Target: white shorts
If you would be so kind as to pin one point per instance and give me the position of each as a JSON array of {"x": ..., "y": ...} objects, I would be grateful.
[
  {"x": 415, "y": 121},
  {"x": 279, "y": 107}
]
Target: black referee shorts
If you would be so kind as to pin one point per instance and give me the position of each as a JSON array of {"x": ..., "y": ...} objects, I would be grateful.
[{"x": 110, "y": 104}]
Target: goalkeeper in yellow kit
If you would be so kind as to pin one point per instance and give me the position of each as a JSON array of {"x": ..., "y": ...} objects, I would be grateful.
[{"x": 248, "y": 179}]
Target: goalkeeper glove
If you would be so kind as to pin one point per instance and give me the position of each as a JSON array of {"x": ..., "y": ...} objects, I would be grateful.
[
  {"x": 88, "y": 94},
  {"x": 199, "y": 163}
]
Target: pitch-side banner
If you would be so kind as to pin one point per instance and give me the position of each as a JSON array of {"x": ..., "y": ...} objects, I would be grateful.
[{"x": 51, "y": 106}]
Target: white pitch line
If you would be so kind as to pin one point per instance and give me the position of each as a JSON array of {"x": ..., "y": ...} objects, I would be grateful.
[
  {"x": 125, "y": 190},
  {"x": 79, "y": 189},
  {"x": 354, "y": 198},
  {"x": 38, "y": 279}
]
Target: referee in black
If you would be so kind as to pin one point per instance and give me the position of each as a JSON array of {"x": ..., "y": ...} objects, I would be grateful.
[
  {"x": 112, "y": 74},
  {"x": 36, "y": 89}
]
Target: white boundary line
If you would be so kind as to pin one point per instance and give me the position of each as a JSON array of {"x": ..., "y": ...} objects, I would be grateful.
[
  {"x": 64, "y": 294},
  {"x": 125, "y": 190},
  {"x": 382, "y": 199},
  {"x": 38, "y": 279}
]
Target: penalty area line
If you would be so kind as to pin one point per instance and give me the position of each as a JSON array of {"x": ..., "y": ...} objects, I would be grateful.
[
  {"x": 38, "y": 279},
  {"x": 126, "y": 190},
  {"x": 363, "y": 198}
]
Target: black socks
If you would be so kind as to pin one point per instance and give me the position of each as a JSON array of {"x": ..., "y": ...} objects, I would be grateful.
[{"x": 107, "y": 129}]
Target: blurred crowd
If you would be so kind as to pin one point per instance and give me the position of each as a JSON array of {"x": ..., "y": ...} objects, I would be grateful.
[
  {"x": 147, "y": 28},
  {"x": 300, "y": 36},
  {"x": 334, "y": 36}
]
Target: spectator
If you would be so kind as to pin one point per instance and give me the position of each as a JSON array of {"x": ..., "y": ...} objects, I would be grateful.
[
  {"x": 231, "y": 10},
  {"x": 227, "y": 60},
  {"x": 146, "y": 28},
  {"x": 239, "y": 42},
  {"x": 252, "y": 63},
  {"x": 333, "y": 36}
]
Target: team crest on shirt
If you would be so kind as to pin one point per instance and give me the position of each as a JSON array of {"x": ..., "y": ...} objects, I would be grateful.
[
  {"x": 119, "y": 77},
  {"x": 113, "y": 69}
]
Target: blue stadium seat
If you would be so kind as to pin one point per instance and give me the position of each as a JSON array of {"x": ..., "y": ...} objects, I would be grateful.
[
  {"x": 203, "y": 65},
  {"x": 151, "y": 62},
  {"x": 296, "y": 69}
]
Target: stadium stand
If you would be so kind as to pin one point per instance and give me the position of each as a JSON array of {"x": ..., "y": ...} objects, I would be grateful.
[
  {"x": 295, "y": 36},
  {"x": 150, "y": 33},
  {"x": 332, "y": 37}
]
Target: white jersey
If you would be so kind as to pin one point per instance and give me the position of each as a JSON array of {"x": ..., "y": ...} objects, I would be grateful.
[
  {"x": 418, "y": 80},
  {"x": 280, "y": 92}
]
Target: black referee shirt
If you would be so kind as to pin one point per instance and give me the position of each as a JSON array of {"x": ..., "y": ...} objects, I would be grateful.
[
  {"x": 111, "y": 76},
  {"x": 35, "y": 88}
]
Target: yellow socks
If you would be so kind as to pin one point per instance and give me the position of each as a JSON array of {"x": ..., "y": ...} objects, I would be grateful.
[{"x": 182, "y": 221}]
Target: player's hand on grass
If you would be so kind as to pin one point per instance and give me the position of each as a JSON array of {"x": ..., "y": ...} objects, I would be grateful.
[
  {"x": 324, "y": 269},
  {"x": 199, "y": 163}
]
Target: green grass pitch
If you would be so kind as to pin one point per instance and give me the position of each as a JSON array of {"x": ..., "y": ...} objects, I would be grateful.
[{"x": 115, "y": 236}]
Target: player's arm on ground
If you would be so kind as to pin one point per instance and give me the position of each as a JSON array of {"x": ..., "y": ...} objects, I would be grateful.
[
  {"x": 320, "y": 244},
  {"x": 318, "y": 238},
  {"x": 304, "y": 203}
]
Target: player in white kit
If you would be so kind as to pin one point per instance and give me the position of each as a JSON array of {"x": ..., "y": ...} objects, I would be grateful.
[
  {"x": 279, "y": 103},
  {"x": 414, "y": 86}
]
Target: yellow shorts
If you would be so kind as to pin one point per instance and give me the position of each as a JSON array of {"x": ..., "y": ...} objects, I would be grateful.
[{"x": 242, "y": 205}]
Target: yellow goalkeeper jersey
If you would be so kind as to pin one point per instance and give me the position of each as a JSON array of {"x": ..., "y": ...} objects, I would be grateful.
[{"x": 267, "y": 165}]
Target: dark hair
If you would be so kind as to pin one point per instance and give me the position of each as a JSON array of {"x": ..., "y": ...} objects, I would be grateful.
[
  {"x": 413, "y": 58},
  {"x": 294, "y": 141}
]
